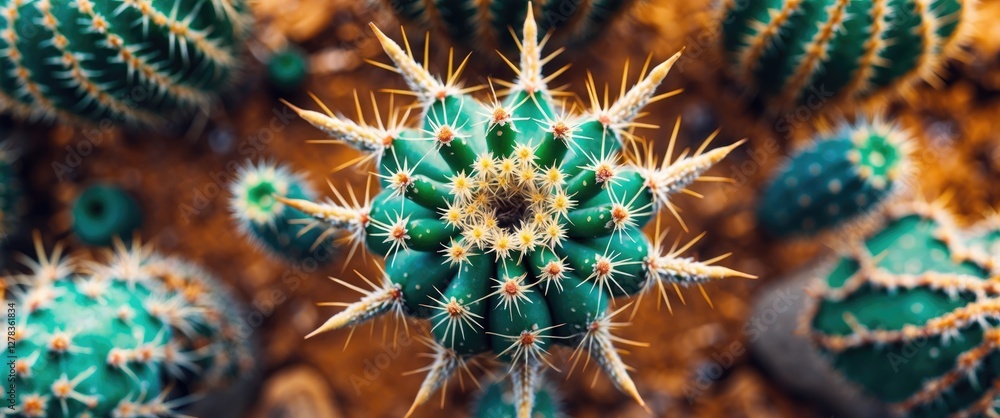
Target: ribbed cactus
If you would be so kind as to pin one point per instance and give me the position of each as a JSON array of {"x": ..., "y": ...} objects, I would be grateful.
[
  {"x": 134, "y": 61},
  {"x": 909, "y": 316},
  {"x": 511, "y": 225},
  {"x": 487, "y": 24},
  {"x": 10, "y": 191},
  {"x": 838, "y": 177},
  {"x": 812, "y": 52},
  {"x": 498, "y": 402},
  {"x": 281, "y": 229},
  {"x": 111, "y": 340}
]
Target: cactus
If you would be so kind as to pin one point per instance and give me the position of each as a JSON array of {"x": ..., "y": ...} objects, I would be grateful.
[
  {"x": 287, "y": 69},
  {"x": 10, "y": 191},
  {"x": 109, "y": 340},
  {"x": 103, "y": 213},
  {"x": 908, "y": 316},
  {"x": 817, "y": 52},
  {"x": 498, "y": 402},
  {"x": 271, "y": 224},
  {"x": 487, "y": 24},
  {"x": 511, "y": 225},
  {"x": 133, "y": 62},
  {"x": 837, "y": 178}
]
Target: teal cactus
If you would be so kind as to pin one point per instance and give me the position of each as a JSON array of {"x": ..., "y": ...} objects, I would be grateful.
[
  {"x": 109, "y": 340},
  {"x": 818, "y": 52},
  {"x": 487, "y": 24},
  {"x": 837, "y": 178},
  {"x": 10, "y": 191},
  {"x": 280, "y": 228},
  {"x": 103, "y": 213},
  {"x": 511, "y": 225},
  {"x": 909, "y": 317},
  {"x": 287, "y": 69},
  {"x": 132, "y": 62},
  {"x": 497, "y": 401}
]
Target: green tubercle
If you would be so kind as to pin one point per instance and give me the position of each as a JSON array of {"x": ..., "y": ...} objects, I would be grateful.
[{"x": 497, "y": 401}]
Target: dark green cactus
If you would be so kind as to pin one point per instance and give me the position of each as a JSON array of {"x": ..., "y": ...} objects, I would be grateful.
[
  {"x": 281, "y": 229},
  {"x": 909, "y": 315},
  {"x": 133, "y": 61},
  {"x": 103, "y": 213},
  {"x": 837, "y": 178},
  {"x": 10, "y": 191},
  {"x": 487, "y": 24},
  {"x": 497, "y": 401},
  {"x": 113, "y": 341},
  {"x": 511, "y": 224},
  {"x": 812, "y": 52}
]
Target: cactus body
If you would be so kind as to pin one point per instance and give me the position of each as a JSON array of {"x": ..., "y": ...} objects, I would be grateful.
[
  {"x": 103, "y": 213},
  {"x": 498, "y": 402},
  {"x": 10, "y": 192},
  {"x": 115, "y": 340},
  {"x": 511, "y": 224},
  {"x": 487, "y": 24},
  {"x": 837, "y": 178},
  {"x": 132, "y": 62},
  {"x": 908, "y": 318},
  {"x": 813, "y": 52},
  {"x": 281, "y": 229}
]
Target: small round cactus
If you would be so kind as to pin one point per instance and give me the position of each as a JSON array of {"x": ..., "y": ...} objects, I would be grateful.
[
  {"x": 837, "y": 178},
  {"x": 487, "y": 24},
  {"x": 110, "y": 340},
  {"x": 10, "y": 191},
  {"x": 513, "y": 224},
  {"x": 280, "y": 228},
  {"x": 133, "y": 62},
  {"x": 103, "y": 213},
  {"x": 497, "y": 401},
  {"x": 817, "y": 52},
  {"x": 287, "y": 69},
  {"x": 908, "y": 315}
]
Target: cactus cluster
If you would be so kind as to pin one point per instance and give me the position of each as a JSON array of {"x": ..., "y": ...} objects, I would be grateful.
[
  {"x": 817, "y": 52},
  {"x": 141, "y": 335},
  {"x": 488, "y": 24},
  {"x": 134, "y": 61},
  {"x": 512, "y": 225},
  {"x": 909, "y": 316},
  {"x": 10, "y": 191},
  {"x": 271, "y": 224},
  {"x": 838, "y": 177}
]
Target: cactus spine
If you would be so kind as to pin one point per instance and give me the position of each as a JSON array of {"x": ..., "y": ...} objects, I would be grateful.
[
  {"x": 838, "y": 177},
  {"x": 498, "y": 402},
  {"x": 110, "y": 340},
  {"x": 812, "y": 52},
  {"x": 909, "y": 317},
  {"x": 511, "y": 225},
  {"x": 487, "y": 24},
  {"x": 129, "y": 62}
]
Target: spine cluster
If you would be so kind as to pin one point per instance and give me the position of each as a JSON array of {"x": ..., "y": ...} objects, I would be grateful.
[
  {"x": 908, "y": 315},
  {"x": 131, "y": 61}
]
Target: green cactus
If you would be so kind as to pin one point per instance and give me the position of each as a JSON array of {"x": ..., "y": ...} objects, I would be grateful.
[
  {"x": 909, "y": 317},
  {"x": 511, "y": 225},
  {"x": 813, "y": 52},
  {"x": 497, "y": 401},
  {"x": 487, "y": 24},
  {"x": 103, "y": 213},
  {"x": 134, "y": 61},
  {"x": 280, "y": 228},
  {"x": 10, "y": 191},
  {"x": 287, "y": 69},
  {"x": 110, "y": 340},
  {"x": 837, "y": 178}
]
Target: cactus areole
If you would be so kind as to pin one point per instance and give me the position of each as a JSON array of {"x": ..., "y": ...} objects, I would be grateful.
[{"x": 512, "y": 224}]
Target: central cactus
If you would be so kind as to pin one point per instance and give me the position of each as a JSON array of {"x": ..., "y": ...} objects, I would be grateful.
[{"x": 511, "y": 224}]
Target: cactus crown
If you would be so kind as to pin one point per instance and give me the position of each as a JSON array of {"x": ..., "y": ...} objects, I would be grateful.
[
  {"x": 511, "y": 224},
  {"x": 836, "y": 179},
  {"x": 913, "y": 303}
]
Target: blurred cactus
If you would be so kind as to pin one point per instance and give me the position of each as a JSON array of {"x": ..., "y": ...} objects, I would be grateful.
[
  {"x": 287, "y": 69},
  {"x": 10, "y": 191},
  {"x": 908, "y": 316},
  {"x": 103, "y": 213},
  {"x": 511, "y": 224},
  {"x": 497, "y": 401},
  {"x": 488, "y": 24},
  {"x": 136, "y": 62},
  {"x": 837, "y": 178},
  {"x": 280, "y": 228},
  {"x": 109, "y": 340},
  {"x": 813, "y": 52}
]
